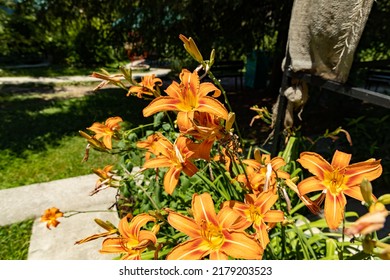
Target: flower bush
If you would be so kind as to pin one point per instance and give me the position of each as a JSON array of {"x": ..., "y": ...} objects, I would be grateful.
[{"x": 188, "y": 187}]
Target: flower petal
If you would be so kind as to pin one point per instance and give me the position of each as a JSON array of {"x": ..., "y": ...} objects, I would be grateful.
[
  {"x": 310, "y": 184},
  {"x": 203, "y": 209},
  {"x": 262, "y": 234},
  {"x": 315, "y": 163},
  {"x": 130, "y": 230},
  {"x": 162, "y": 103},
  {"x": 277, "y": 162},
  {"x": 334, "y": 209},
  {"x": 207, "y": 87},
  {"x": 265, "y": 201},
  {"x": 370, "y": 169},
  {"x": 240, "y": 245},
  {"x": 218, "y": 255},
  {"x": 274, "y": 216},
  {"x": 157, "y": 162},
  {"x": 340, "y": 160},
  {"x": 112, "y": 245},
  {"x": 212, "y": 106},
  {"x": 230, "y": 219},
  {"x": 184, "y": 224},
  {"x": 171, "y": 178},
  {"x": 194, "y": 249}
]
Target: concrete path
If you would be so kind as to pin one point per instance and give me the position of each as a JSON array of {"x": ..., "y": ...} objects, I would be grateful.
[
  {"x": 159, "y": 72},
  {"x": 26, "y": 202}
]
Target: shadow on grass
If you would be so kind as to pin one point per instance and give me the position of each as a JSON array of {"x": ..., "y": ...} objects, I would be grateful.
[{"x": 31, "y": 121}]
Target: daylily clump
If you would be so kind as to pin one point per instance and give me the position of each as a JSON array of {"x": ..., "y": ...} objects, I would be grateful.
[{"x": 190, "y": 187}]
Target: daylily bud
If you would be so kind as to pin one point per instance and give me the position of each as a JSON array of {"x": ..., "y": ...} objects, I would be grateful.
[
  {"x": 257, "y": 155},
  {"x": 212, "y": 57},
  {"x": 191, "y": 48},
  {"x": 230, "y": 121},
  {"x": 385, "y": 199},
  {"x": 366, "y": 189}
]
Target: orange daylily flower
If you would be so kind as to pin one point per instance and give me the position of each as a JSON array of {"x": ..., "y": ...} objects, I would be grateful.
[
  {"x": 155, "y": 144},
  {"x": 217, "y": 236},
  {"x": 336, "y": 179},
  {"x": 257, "y": 211},
  {"x": 206, "y": 128},
  {"x": 188, "y": 96},
  {"x": 146, "y": 86},
  {"x": 177, "y": 157},
  {"x": 132, "y": 241},
  {"x": 106, "y": 130},
  {"x": 50, "y": 216},
  {"x": 262, "y": 174}
]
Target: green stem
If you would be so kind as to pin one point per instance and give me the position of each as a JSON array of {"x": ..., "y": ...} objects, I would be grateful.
[
  {"x": 75, "y": 212},
  {"x": 217, "y": 82}
]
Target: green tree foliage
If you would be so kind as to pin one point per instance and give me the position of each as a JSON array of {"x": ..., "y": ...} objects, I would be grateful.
[{"x": 103, "y": 31}]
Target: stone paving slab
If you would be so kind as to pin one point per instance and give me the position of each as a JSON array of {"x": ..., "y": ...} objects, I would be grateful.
[
  {"x": 58, "y": 243},
  {"x": 22, "y": 203},
  {"x": 72, "y": 194}
]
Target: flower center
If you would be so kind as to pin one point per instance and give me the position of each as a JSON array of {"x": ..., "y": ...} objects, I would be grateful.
[
  {"x": 335, "y": 181},
  {"x": 213, "y": 235},
  {"x": 254, "y": 215}
]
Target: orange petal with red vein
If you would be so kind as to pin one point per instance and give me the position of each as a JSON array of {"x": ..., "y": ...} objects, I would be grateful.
[
  {"x": 163, "y": 103},
  {"x": 212, "y": 106},
  {"x": 310, "y": 184},
  {"x": 157, "y": 162},
  {"x": 315, "y": 163},
  {"x": 370, "y": 169},
  {"x": 205, "y": 88},
  {"x": 239, "y": 245},
  {"x": 340, "y": 159},
  {"x": 194, "y": 249},
  {"x": 203, "y": 208},
  {"x": 228, "y": 218},
  {"x": 184, "y": 224},
  {"x": 334, "y": 209},
  {"x": 171, "y": 178},
  {"x": 274, "y": 216}
]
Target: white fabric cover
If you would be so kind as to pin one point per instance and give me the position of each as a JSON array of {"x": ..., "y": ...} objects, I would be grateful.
[{"x": 324, "y": 34}]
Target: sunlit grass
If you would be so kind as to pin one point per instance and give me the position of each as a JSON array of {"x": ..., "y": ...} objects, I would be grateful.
[
  {"x": 59, "y": 161},
  {"x": 15, "y": 240}
]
